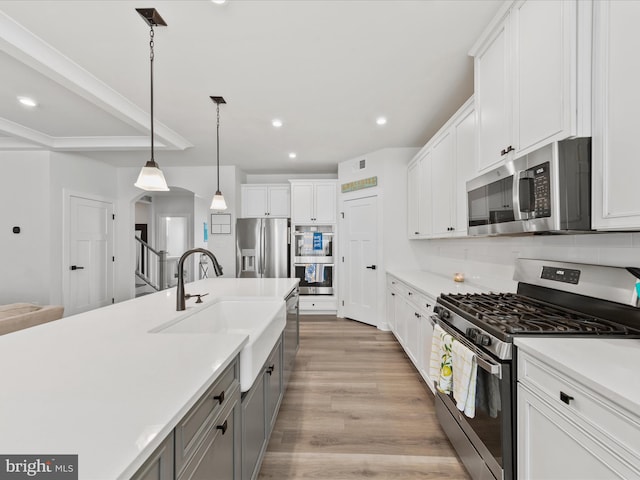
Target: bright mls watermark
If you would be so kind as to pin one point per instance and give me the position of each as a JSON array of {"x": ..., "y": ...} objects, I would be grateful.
[{"x": 46, "y": 467}]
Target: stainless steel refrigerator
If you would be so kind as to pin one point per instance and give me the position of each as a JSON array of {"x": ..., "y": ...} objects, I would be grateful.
[{"x": 262, "y": 247}]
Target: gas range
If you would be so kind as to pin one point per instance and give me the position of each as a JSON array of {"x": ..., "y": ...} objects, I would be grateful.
[
  {"x": 492, "y": 320},
  {"x": 552, "y": 299}
]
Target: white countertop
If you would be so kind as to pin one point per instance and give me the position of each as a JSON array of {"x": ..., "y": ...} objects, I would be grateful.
[
  {"x": 433, "y": 284},
  {"x": 99, "y": 385},
  {"x": 607, "y": 366}
]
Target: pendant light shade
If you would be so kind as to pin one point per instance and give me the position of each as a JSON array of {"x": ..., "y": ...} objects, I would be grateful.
[
  {"x": 151, "y": 177},
  {"x": 218, "y": 202}
]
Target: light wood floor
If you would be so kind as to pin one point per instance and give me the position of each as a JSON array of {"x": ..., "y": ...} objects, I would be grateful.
[{"x": 356, "y": 408}]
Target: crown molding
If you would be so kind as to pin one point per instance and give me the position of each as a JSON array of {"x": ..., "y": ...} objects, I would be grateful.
[{"x": 29, "y": 49}]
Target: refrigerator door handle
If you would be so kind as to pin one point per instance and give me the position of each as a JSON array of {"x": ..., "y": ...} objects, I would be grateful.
[{"x": 262, "y": 248}]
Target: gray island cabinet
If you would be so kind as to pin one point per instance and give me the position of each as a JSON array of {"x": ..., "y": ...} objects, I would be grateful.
[
  {"x": 225, "y": 434},
  {"x": 206, "y": 442}
]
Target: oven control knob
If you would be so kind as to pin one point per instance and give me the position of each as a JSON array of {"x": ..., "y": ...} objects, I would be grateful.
[
  {"x": 472, "y": 333},
  {"x": 483, "y": 340}
]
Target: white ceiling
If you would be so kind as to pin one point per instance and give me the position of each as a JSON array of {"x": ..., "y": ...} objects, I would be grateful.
[{"x": 326, "y": 68}]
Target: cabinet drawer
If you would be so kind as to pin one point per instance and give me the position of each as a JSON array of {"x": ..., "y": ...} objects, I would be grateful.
[
  {"x": 321, "y": 304},
  {"x": 194, "y": 426},
  {"x": 601, "y": 418},
  {"x": 423, "y": 303}
]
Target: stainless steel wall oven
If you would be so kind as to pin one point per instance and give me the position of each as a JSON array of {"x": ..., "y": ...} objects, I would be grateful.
[{"x": 313, "y": 257}]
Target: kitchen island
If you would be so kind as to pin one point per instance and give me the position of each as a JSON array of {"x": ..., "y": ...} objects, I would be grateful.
[{"x": 103, "y": 386}]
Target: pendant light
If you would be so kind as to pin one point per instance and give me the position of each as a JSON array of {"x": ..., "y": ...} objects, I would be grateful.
[
  {"x": 218, "y": 202},
  {"x": 151, "y": 177}
]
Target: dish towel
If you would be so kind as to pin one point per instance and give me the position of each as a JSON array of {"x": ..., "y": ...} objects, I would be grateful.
[
  {"x": 317, "y": 241},
  {"x": 310, "y": 273},
  {"x": 319, "y": 276},
  {"x": 307, "y": 243},
  {"x": 440, "y": 361},
  {"x": 465, "y": 371}
]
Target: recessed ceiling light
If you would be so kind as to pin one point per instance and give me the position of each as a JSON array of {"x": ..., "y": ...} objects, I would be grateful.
[
  {"x": 381, "y": 120},
  {"x": 29, "y": 102},
  {"x": 219, "y": 2},
  {"x": 276, "y": 122},
  {"x": 293, "y": 155}
]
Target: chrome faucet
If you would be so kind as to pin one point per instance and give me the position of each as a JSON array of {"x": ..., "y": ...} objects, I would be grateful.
[{"x": 180, "y": 297}]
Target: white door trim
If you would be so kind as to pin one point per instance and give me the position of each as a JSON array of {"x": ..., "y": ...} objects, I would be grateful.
[{"x": 66, "y": 225}]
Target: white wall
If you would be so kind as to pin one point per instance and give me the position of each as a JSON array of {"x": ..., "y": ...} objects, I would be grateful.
[
  {"x": 489, "y": 261},
  {"x": 199, "y": 180},
  {"x": 394, "y": 249},
  {"x": 24, "y": 202},
  {"x": 33, "y": 186}
]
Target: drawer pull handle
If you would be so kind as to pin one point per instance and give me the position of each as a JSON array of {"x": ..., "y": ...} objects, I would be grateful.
[
  {"x": 565, "y": 398},
  {"x": 222, "y": 427},
  {"x": 219, "y": 398}
]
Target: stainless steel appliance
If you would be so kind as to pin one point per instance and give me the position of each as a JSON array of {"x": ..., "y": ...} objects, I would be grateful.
[
  {"x": 313, "y": 259},
  {"x": 552, "y": 299},
  {"x": 262, "y": 248},
  {"x": 548, "y": 190}
]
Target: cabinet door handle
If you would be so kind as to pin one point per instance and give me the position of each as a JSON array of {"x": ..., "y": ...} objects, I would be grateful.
[
  {"x": 222, "y": 427},
  {"x": 393, "y": 294},
  {"x": 410, "y": 293},
  {"x": 428, "y": 305},
  {"x": 371, "y": 267},
  {"x": 219, "y": 398},
  {"x": 416, "y": 233},
  {"x": 270, "y": 369},
  {"x": 507, "y": 150},
  {"x": 75, "y": 267},
  {"x": 565, "y": 398}
]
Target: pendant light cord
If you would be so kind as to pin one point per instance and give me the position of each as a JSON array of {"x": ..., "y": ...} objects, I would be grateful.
[
  {"x": 218, "y": 143},
  {"x": 151, "y": 33}
]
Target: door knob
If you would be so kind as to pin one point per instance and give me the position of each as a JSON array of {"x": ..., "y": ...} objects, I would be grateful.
[
  {"x": 372, "y": 267},
  {"x": 75, "y": 267}
]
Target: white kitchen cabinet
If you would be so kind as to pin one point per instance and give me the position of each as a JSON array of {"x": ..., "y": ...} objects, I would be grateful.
[
  {"x": 419, "y": 198},
  {"x": 313, "y": 201},
  {"x": 409, "y": 315},
  {"x": 265, "y": 201},
  {"x": 436, "y": 179},
  {"x": 566, "y": 430},
  {"x": 416, "y": 219},
  {"x": 442, "y": 185},
  {"x": 616, "y": 69},
  {"x": 492, "y": 93},
  {"x": 464, "y": 131},
  {"x": 532, "y": 83}
]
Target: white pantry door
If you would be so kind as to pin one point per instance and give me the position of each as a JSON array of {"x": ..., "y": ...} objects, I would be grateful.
[
  {"x": 90, "y": 255},
  {"x": 360, "y": 257}
]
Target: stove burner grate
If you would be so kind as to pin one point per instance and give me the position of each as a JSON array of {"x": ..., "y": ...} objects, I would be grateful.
[{"x": 517, "y": 314}]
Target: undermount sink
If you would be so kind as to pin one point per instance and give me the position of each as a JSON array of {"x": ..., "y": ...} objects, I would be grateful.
[{"x": 262, "y": 320}]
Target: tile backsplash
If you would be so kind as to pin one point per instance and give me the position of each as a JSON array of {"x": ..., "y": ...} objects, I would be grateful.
[{"x": 489, "y": 261}]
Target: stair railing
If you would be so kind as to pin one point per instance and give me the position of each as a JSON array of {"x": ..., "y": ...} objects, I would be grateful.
[{"x": 151, "y": 265}]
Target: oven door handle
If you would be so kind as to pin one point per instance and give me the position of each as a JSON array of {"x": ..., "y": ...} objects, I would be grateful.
[{"x": 483, "y": 360}]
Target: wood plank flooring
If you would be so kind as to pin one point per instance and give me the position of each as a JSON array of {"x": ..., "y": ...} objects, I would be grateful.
[{"x": 356, "y": 408}]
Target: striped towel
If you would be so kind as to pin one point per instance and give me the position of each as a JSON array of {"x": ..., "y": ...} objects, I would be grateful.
[
  {"x": 440, "y": 361},
  {"x": 465, "y": 371}
]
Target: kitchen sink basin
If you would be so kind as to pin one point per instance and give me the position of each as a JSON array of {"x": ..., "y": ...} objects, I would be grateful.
[{"x": 262, "y": 320}]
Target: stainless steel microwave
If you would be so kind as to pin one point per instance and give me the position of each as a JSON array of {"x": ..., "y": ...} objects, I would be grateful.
[{"x": 548, "y": 190}]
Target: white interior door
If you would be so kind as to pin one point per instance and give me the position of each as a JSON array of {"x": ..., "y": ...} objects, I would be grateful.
[
  {"x": 90, "y": 255},
  {"x": 360, "y": 257}
]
